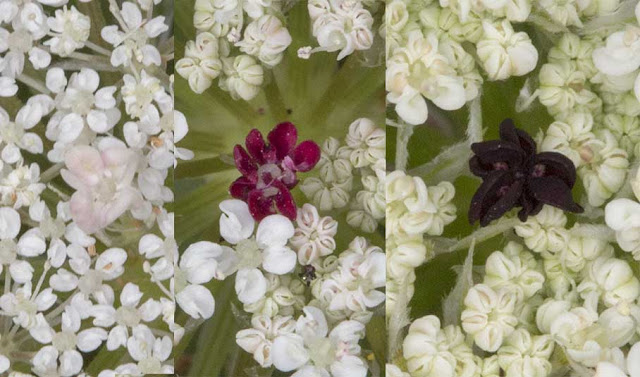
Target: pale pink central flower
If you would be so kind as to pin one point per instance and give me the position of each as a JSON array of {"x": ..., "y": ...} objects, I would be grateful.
[{"x": 103, "y": 183}]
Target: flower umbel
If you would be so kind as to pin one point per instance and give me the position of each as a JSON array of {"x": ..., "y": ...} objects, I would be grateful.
[
  {"x": 515, "y": 175},
  {"x": 269, "y": 170}
]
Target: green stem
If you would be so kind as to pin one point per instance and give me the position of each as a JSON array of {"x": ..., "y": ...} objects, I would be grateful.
[{"x": 484, "y": 234}]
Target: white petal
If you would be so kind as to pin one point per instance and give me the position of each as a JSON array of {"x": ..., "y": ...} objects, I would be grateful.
[
  {"x": 633, "y": 360},
  {"x": 117, "y": 337},
  {"x": 236, "y": 224},
  {"x": 274, "y": 230},
  {"x": 288, "y": 352},
  {"x": 197, "y": 301},
  {"x": 21, "y": 271},
  {"x": 279, "y": 260},
  {"x": 130, "y": 295},
  {"x": 8, "y": 87},
  {"x": 90, "y": 339},
  {"x": 56, "y": 80},
  {"x": 9, "y": 223},
  {"x": 32, "y": 243},
  {"x": 251, "y": 285},
  {"x": 70, "y": 363},
  {"x": 98, "y": 121}
]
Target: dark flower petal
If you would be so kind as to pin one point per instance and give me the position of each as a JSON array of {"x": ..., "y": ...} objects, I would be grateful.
[
  {"x": 259, "y": 205},
  {"x": 306, "y": 155},
  {"x": 244, "y": 163},
  {"x": 256, "y": 146},
  {"x": 530, "y": 206},
  {"x": 558, "y": 165},
  {"x": 241, "y": 187},
  {"x": 553, "y": 191},
  {"x": 285, "y": 202},
  {"x": 527, "y": 144},
  {"x": 508, "y": 131},
  {"x": 478, "y": 168},
  {"x": 283, "y": 139},
  {"x": 487, "y": 194},
  {"x": 504, "y": 203},
  {"x": 492, "y": 151}
]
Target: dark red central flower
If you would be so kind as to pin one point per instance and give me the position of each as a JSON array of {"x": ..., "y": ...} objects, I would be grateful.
[
  {"x": 514, "y": 175},
  {"x": 269, "y": 170}
]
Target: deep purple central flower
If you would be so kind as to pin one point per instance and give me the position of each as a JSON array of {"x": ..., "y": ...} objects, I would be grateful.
[
  {"x": 269, "y": 170},
  {"x": 514, "y": 175}
]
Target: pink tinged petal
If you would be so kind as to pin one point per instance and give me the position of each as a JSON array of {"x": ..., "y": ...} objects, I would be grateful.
[
  {"x": 306, "y": 155},
  {"x": 250, "y": 285},
  {"x": 245, "y": 165},
  {"x": 196, "y": 301},
  {"x": 259, "y": 205},
  {"x": 241, "y": 188},
  {"x": 83, "y": 212},
  {"x": 86, "y": 165},
  {"x": 283, "y": 139},
  {"x": 90, "y": 339}
]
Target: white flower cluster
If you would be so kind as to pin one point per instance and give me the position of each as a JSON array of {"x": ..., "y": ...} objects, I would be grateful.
[
  {"x": 413, "y": 212},
  {"x": 564, "y": 293},
  {"x": 84, "y": 161},
  {"x": 358, "y": 166},
  {"x": 596, "y": 114},
  {"x": 341, "y": 25},
  {"x": 426, "y": 59},
  {"x": 236, "y": 41}
]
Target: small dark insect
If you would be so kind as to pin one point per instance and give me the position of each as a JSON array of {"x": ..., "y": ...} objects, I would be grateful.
[
  {"x": 289, "y": 111},
  {"x": 261, "y": 111},
  {"x": 514, "y": 175},
  {"x": 308, "y": 274}
]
